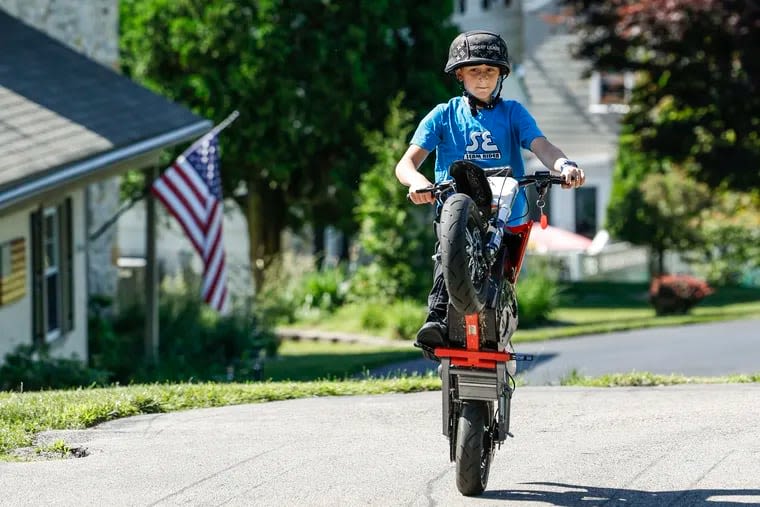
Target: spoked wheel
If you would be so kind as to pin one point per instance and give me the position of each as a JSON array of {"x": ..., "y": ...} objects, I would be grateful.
[
  {"x": 465, "y": 269},
  {"x": 474, "y": 448}
]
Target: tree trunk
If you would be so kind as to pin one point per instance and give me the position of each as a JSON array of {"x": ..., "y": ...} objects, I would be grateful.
[
  {"x": 265, "y": 216},
  {"x": 657, "y": 262},
  {"x": 318, "y": 245}
]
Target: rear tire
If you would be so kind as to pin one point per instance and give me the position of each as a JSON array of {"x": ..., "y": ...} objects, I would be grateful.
[
  {"x": 474, "y": 449},
  {"x": 465, "y": 269}
]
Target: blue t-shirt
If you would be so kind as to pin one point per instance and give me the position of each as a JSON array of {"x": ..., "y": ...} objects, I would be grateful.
[{"x": 493, "y": 138}]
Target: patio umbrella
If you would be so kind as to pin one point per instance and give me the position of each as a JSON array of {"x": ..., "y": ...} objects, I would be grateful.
[{"x": 554, "y": 239}]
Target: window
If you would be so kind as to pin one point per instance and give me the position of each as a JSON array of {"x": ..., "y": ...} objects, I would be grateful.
[
  {"x": 610, "y": 92},
  {"x": 462, "y": 6},
  {"x": 585, "y": 211},
  {"x": 52, "y": 264},
  {"x": 486, "y": 4}
]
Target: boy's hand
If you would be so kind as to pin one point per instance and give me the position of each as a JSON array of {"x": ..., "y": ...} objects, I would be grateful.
[
  {"x": 573, "y": 175},
  {"x": 420, "y": 197},
  {"x": 419, "y": 182}
]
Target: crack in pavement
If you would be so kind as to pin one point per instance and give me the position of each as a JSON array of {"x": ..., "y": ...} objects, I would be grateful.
[
  {"x": 215, "y": 474},
  {"x": 430, "y": 484},
  {"x": 691, "y": 486}
]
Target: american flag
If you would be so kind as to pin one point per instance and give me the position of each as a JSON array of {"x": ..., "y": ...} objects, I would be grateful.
[{"x": 191, "y": 189}]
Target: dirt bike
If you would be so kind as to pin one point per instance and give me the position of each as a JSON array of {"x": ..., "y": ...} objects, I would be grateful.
[{"x": 481, "y": 259}]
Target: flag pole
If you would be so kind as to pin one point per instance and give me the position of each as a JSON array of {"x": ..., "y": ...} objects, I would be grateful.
[
  {"x": 151, "y": 339},
  {"x": 214, "y": 131}
]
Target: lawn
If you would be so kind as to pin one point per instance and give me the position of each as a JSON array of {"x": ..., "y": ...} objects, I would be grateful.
[
  {"x": 585, "y": 308},
  {"x": 327, "y": 360}
]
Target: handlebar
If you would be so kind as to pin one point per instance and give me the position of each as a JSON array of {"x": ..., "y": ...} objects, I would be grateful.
[{"x": 540, "y": 178}]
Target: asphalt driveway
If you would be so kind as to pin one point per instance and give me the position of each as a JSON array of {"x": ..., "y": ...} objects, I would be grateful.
[{"x": 681, "y": 445}]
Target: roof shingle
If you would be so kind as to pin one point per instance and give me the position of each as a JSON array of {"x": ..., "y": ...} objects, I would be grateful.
[{"x": 58, "y": 107}]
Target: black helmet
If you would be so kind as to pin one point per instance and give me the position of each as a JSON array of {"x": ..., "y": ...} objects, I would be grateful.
[{"x": 477, "y": 47}]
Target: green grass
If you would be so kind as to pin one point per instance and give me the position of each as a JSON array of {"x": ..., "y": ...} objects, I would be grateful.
[
  {"x": 355, "y": 317},
  {"x": 650, "y": 379},
  {"x": 327, "y": 360},
  {"x": 586, "y": 308}
]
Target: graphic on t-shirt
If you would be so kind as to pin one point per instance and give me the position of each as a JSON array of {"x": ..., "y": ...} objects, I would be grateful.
[{"x": 481, "y": 147}]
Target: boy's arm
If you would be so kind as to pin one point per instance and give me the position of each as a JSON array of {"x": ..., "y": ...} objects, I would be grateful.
[
  {"x": 556, "y": 161},
  {"x": 408, "y": 174}
]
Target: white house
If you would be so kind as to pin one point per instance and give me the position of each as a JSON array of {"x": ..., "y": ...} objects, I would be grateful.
[{"x": 67, "y": 123}]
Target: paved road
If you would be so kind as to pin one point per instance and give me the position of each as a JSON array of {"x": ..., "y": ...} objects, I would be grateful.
[
  {"x": 681, "y": 446},
  {"x": 719, "y": 348}
]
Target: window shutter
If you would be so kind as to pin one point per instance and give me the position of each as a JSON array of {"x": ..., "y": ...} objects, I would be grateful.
[
  {"x": 35, "y": 247},
  {"x": 67, "y": 265}
]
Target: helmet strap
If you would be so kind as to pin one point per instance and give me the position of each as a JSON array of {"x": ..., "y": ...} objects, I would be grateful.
[{"x": 475, "y": 102}]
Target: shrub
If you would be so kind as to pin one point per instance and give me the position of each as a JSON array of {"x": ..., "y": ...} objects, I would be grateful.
[
  {"x": 323, "y": 290},
  {"x": 373, "y": 282},
  {"x": 30, "y": 368},
  {"x": 195, "y": 342},
  {"x": 537, "y": 293},
  {"x": 294, "y": 290},
  {"x": 677, "y": 294},
  {"x": 374, "y": 316},
  {"x": 276, "y": 300},
  {"x": 407, "y": 317}
]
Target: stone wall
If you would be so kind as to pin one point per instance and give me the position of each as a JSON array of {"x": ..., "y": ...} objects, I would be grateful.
[{"x": 90, "y": 27}]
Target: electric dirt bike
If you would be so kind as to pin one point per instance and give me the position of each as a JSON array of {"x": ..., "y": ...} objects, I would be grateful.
[{"x": 481, "y": 259}]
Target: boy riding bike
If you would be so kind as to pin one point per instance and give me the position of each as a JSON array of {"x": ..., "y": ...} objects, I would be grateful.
[{"x": 481, "y": 127}]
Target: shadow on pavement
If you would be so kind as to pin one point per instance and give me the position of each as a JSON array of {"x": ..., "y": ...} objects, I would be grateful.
[
  {"x": 590, "y": 495},
  {"x": 523, "y": 366}
]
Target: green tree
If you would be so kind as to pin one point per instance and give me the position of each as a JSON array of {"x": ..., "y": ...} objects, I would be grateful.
[
  {"x": 628, "y": 216},
  {"x": 730, "y": 238},
  {"x": 395, "y": 234},
  {"x": 307, "y": 76},
  {"x": 696, "y": 104},
  {"x": 698, "y": 95},
  {"x": 658, "y": 204},
  {"x": 674, "y": 200}
]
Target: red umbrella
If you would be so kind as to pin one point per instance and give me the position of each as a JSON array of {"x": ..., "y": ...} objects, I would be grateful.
[{"x": 554, "y": 239}]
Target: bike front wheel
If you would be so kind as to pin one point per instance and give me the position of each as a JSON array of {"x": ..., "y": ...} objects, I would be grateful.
[
  {"x": 465, "y": 269},
  {"x": 474, "y": 448}
]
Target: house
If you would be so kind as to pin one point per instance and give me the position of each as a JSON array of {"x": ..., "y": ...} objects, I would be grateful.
[
  {"x": 67, "y": 124},
  {"x": 578, "y": 114}
]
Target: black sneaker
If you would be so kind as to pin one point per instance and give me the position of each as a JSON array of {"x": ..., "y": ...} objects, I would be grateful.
[{"x": 432, "y": 335}]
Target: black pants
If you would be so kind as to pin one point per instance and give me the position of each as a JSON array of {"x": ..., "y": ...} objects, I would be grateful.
[{"x": 438, "y": 299}]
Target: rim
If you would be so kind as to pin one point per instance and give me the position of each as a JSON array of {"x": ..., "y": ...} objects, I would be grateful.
[
  {"x": 476, "y": 263},
  {"x": 485, "y": 454}
]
